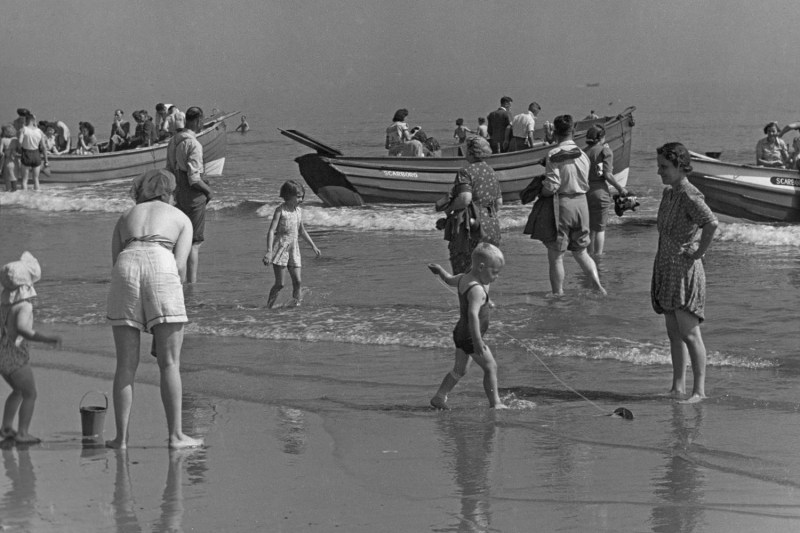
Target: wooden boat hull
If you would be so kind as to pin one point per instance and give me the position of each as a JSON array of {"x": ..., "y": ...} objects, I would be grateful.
[
  {"x": 339, "y": 180},
  {"x": 760, "y": 194},
  {"x": 127, "y": 164}
]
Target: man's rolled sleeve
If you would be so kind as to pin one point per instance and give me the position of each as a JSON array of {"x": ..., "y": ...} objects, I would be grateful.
[{"x": 193, "y": 155}]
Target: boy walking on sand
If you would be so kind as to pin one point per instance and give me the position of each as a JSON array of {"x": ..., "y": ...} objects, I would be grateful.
[{"x": 474, "y": 304}]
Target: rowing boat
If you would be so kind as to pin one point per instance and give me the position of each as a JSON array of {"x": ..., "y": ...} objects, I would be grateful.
[
  {"x": 756, "y": 193},
  {"x": 127, "y": 164},
  {"x": 340, "y": 180}
]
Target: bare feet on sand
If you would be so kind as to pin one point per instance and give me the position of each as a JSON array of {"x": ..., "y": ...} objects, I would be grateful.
[
  {"x": 500, "y": 405},
  {"x": 437, "y": 402},
  {"x": 184, "y": 441},
  {"x": 694, "y": 398},
  {"x": 26, "y": 438},
  {"x": 116, "y": 444}
]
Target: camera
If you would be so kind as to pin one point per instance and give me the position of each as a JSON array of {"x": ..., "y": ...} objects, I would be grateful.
[{"x": 624, "y": 203}]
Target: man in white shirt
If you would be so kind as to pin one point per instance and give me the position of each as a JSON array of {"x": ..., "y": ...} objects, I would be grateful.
[
  {"x": 567, "y": 178},
  {"x": 521, "y": 129}
]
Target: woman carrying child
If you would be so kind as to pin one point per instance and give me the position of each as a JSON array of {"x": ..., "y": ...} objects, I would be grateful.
[
  {"x": 475, "y": 184},
  {"x": 283, "y": 248},
  {"x": 16, "y": 327}
]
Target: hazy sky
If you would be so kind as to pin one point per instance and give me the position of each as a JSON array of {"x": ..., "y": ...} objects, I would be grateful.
[{"x": 305, "y": 53}]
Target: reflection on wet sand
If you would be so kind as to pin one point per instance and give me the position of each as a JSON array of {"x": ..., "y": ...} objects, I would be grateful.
[
  {"x": 18, "y": 504},
  {"x": 681, "y": 488},
  {"x": 292, "y": 430},
  {"x": 469, "y": 443},
  {"x": 172, "y": 509}
]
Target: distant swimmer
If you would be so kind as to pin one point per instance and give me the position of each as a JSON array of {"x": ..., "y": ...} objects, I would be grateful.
[
  {"x": 243, "y": 126},
  {"x": 473, "y": 322}
]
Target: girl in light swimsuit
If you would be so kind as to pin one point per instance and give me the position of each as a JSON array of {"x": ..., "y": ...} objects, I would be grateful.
[{"x": 283, "y": 248}]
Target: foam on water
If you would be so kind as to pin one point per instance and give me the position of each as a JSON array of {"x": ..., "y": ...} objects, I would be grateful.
[
  {"x": 55, "y": 199},
  {"x": 759, "y": 234}
]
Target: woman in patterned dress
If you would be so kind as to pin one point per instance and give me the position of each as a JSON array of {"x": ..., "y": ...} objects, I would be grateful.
[
  {"x": 678, "y": 289},
  {"x": 477, "y": 184}
]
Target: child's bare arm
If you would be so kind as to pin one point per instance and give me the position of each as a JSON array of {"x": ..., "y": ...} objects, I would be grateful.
[
  {"x": 475, "y": 300},
  {"x": 307, "y": 238},
  {"x": 24, "y": 326},
  {"x": 444, "y": 275},
  {"x": 276, "y": 217}
]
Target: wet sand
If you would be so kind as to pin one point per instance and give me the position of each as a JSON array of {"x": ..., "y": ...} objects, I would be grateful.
[{"x": 332, "y": 465}]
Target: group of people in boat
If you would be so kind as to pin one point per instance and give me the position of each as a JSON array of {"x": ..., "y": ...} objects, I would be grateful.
[
  {"x": 504, "y": 132},
  {"x": 773, "y": 151},
  {"x": 26, "y": 143}
]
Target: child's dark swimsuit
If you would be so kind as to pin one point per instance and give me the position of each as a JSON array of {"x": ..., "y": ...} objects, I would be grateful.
[{"x": 461, "y": 335}]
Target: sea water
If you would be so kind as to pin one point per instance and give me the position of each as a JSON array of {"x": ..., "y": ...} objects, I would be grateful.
[{"x": 373, "y": 333}]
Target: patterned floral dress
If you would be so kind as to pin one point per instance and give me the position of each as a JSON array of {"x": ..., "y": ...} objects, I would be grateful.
[
  {"x": 479, "y": 179},
  {"x": 286, "y": 249},
  {"x": 679, "y": 282}
]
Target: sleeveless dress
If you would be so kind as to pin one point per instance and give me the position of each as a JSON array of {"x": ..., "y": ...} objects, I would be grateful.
[
  {"x": 13, "y": 352},
  {"x": 286, "y": 248},
  {"x": 601, "y": 163},
  {"x": 461, "y": 334}
]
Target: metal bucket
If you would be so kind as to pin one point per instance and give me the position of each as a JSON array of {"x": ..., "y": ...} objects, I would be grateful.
[{"x": 92, "y": 416}]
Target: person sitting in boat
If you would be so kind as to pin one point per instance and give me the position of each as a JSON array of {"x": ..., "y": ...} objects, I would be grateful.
[
  {"x": 771, "y": 151},
  {"x": 430, "y": 144},
  {"x": 50, "y": 138},
  {"x": 87, "y": 142},
  {"x": 160, "y": 118},
  {"x": 63, "y": 138},
  {"x": 397, "y": 134},
  {"x": 145, "y": 133},
  {"x": 175, "y": 121},
  {"x": 120, "y": 132}
]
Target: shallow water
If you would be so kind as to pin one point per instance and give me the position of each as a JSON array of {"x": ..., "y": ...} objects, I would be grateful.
[{"x": 372, "y": 339}]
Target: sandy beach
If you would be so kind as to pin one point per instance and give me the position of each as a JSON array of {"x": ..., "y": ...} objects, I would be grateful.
[{"x": 326, "y": 463}]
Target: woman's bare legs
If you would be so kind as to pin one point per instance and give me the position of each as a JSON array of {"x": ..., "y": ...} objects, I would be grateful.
[
  {"x": 169, "y": 341},
  {"x": 686, "y": 343},
  {"x": 126, "y": 341}
]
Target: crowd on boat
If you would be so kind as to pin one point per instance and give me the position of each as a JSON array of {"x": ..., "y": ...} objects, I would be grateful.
[
  {"x": 26, "y": 144},
  {"x": 504, "y": 132}
]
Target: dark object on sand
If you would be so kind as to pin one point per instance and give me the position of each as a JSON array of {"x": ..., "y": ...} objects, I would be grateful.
[{"x": 623, "y": 413}]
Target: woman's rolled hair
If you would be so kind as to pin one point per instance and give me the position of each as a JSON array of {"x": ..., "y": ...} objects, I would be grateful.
[{"x": 677, "y": 154}]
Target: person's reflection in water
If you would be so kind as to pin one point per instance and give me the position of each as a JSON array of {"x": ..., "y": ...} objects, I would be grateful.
[
  {"x": 122, "y": 502},
  {"x": 682, "y": 483},
  {"x": 18, "y": 504},
  {"x": 292, "y": 430},
  {"x": 199, "y": 414},
  {"x": 469, "y": 440}
]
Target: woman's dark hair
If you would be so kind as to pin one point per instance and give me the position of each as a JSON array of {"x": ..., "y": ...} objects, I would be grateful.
[
  {"x": 769, "y": 125},
  {"x": 400, "y": 115},
  {"x": 292, "y": 188},
  {"x": 89, "y": 128},
  {"x": 459, "y": 122},
  {"x": 677, "y": 154},
  {"x": 595, "y": 133}
]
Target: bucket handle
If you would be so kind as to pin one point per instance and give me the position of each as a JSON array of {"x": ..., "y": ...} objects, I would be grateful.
[{"x": 80, "y": 404}]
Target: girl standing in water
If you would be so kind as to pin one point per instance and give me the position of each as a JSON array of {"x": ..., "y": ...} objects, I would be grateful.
[{"x": 283, "y": 253}]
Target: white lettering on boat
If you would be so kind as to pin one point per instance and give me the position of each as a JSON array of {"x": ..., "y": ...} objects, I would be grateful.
[
  {"x": 791, "y": 182},
  {"x": 399, "y": 174}
]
